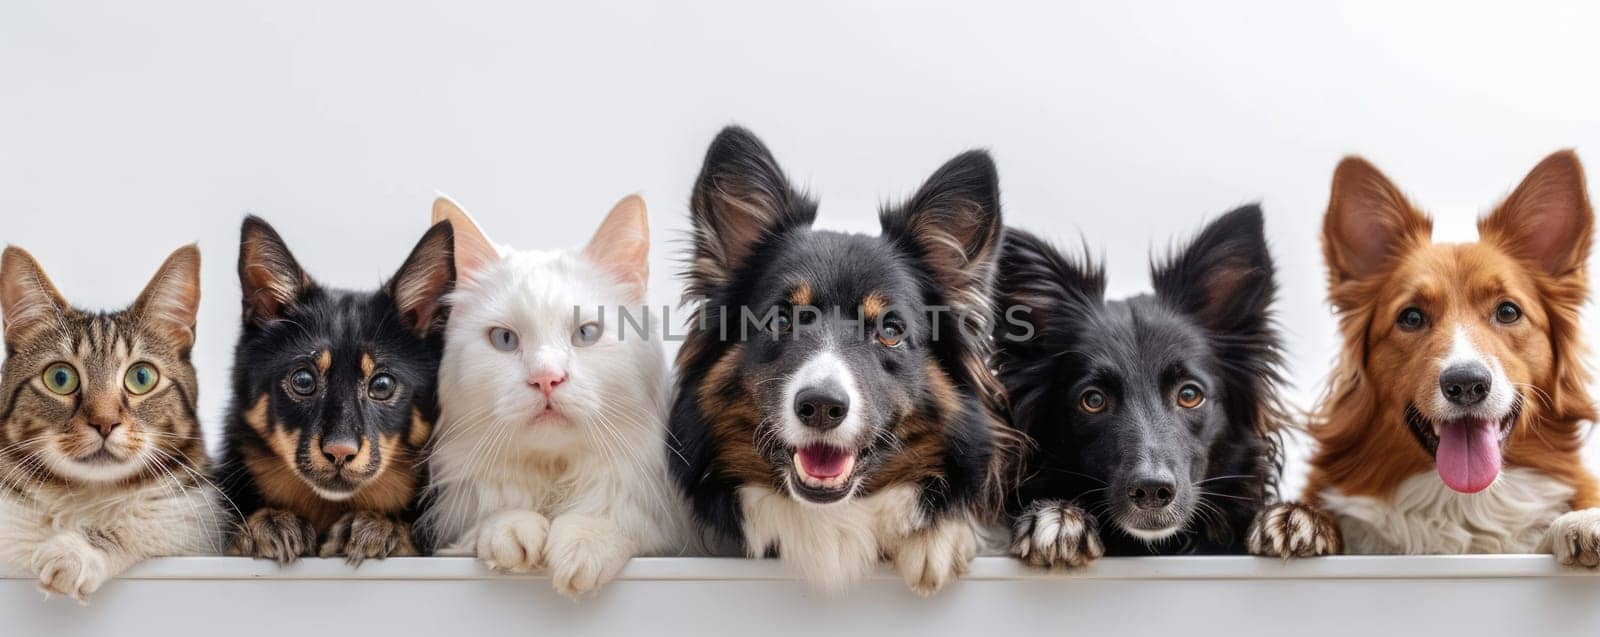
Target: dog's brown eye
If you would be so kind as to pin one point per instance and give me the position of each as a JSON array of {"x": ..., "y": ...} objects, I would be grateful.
[
  {"x": 1411, "y": 319},
  {"x": 891, "y": 334},
  {"x": 1508, "y": 312},
  {"x": 1190, "y": 396},
  {"x": 381, "y": 387},
  {"x": 1093, "y": 401},
  {"x": 303, "y": 382}
]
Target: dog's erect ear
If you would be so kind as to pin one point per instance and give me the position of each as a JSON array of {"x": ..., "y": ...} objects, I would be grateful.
[
  {"x": 472, "y": 247},
  {"x": 1042, "y": 295},
  {"x": 1547, "y": 219},
  {"x": 419, "y": 287},
  {"x": 1369, "y": 221},
  {"x": 1034, "y": 274},
  {"x": 1224, "y": 277},
  {"x": 269, "y": 277},
  {"x": 171, "y": 301},
  {"x": 622, "y": 246},
  {"x": 953, "y": 225},
  {"x": 741, "y": 199},
  {"x": 28, "y": 301}
]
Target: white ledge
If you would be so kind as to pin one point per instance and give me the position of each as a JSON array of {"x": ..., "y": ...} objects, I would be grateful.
[{"x": 983, "y": 569}]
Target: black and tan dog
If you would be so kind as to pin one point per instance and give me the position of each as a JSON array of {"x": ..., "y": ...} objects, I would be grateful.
[
  {"x": 835, "y": 405},
  {"x": 333, "y": 402}
]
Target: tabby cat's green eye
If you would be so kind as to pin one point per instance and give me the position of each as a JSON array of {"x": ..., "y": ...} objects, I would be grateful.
[
  {"x": 141, "y": 379},
  {"x": 61, "y": 378}
]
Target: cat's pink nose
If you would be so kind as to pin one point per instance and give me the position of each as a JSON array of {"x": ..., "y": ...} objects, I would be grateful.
[{"x": 546, "y": 380}]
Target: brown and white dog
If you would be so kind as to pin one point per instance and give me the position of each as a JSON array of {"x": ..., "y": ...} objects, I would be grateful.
[{"x": 1453, "y": 419}]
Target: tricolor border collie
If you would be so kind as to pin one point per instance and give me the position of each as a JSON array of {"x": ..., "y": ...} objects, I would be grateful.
[
  {"x": 835, "y": 405},
  {"x": 1155, "y": 418},
  {"x": 1452, "y": 420}
]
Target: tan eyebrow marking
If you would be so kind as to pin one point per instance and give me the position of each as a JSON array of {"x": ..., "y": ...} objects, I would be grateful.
[
  {"x": 324, "y": 361},
  {"x": 873, "y": 306},
  {"x": 801, "y": 294}
]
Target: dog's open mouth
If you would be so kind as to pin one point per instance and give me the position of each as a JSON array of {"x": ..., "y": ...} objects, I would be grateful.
[
  {"x": 1466, "y": 451},
  {"x": 824, "y": 471}
]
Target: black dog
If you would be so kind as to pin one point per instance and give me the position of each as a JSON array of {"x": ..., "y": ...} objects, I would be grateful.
[
  {"x": 1156, "y": 415},
  {"x": 333, "y": 403},
  {"x": 835, "y": 404}
]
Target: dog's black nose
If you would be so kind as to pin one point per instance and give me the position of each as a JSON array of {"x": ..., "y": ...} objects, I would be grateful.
[
  {"x": 1465, "y": 384},
  {"x": 821, "y": 407},
  {"x": 1151, "y": 493}
]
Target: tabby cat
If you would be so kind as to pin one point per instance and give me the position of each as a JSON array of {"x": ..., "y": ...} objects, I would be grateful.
[{"x": 101, "y": 456}]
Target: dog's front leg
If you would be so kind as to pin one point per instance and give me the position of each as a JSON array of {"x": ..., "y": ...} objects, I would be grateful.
[
  {"x": 1292, "y": 529},
  {"x": 1055, "y": 534},
  {"x": 931, "y": 557},
  {"x": 1574, "y": 538}
]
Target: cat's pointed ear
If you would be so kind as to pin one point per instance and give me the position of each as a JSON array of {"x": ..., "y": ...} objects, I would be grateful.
[
  {"x": 1547, "y": 220},
  {"x": 419, "y": 287},
  {"x": 622, "y": 246},
  {"x": 269, "y": 277},
  {"x": 1224, "y": 277},
  {"x": 953, "y": 225},
  {"x": 1369, "y": 221},
  {"x": 28, "y": 301},
  {"x": 740, "y": 200},
  {"x": 473, "y": 249},
  {"x": 170, "y": 303}
]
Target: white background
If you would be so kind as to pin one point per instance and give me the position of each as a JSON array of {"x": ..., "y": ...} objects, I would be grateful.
[{"x": 127, "y": 129}]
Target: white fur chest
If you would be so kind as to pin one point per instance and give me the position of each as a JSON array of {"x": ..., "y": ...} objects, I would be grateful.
[
  {"x": 832, "y": 545},
  {"x": 1427, "y": 517}
]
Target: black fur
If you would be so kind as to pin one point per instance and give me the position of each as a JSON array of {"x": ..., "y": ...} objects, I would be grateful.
[
  {"x": 1209, "y": 322},
  {"x": 753, "y": 245},
  {"x": 289, "y": 321}
]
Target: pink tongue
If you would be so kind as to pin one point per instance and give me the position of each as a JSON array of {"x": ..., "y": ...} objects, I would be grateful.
[
  {"x": 823, "y": 461},
  {"x": 1469, "y": 454}
]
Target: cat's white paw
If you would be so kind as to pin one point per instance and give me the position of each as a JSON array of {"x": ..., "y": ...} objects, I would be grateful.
[
  {"x": 1292, "y": 529},
  {"x": 1054, "y": 534},
  {"x": 71, "y": 567},
  {"x": 1574, "y": 538},
  {"x": 929, "y": 558},
  {"x": 585, "y": 552},
  {"x": 513, "y": 541}
]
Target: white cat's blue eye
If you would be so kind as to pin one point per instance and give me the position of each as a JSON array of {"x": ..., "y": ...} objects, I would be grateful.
[
  {"x": 587, "y": 334},
  {"x": 503, "y": 339}
]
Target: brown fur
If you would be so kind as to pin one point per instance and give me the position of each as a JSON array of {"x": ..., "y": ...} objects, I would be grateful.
[
  {"x": 726, "y": 399},
  {"x": 389, "y": 493},
  {"x": 41, "y": 330},
  {"x": 1364, "y": 445}
]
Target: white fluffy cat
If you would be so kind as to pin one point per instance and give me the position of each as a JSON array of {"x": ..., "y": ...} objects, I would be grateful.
[{"x": 549, "y": 451}]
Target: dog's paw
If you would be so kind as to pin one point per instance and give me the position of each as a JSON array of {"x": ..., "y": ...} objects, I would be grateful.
[
  {"x": 68, "y": 565},
  {"x": 364, "y": 535},
  {"x": 1054, "y": 534},
  {"x": 513, "y": 541},
  {"x": 1292, "y": 529},
  {"x": 274, "y": 534},
  {"x": 931, "y": 557},
  {"x": 1574, "y": 538},
  {"x": 584, "y": 553}
]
